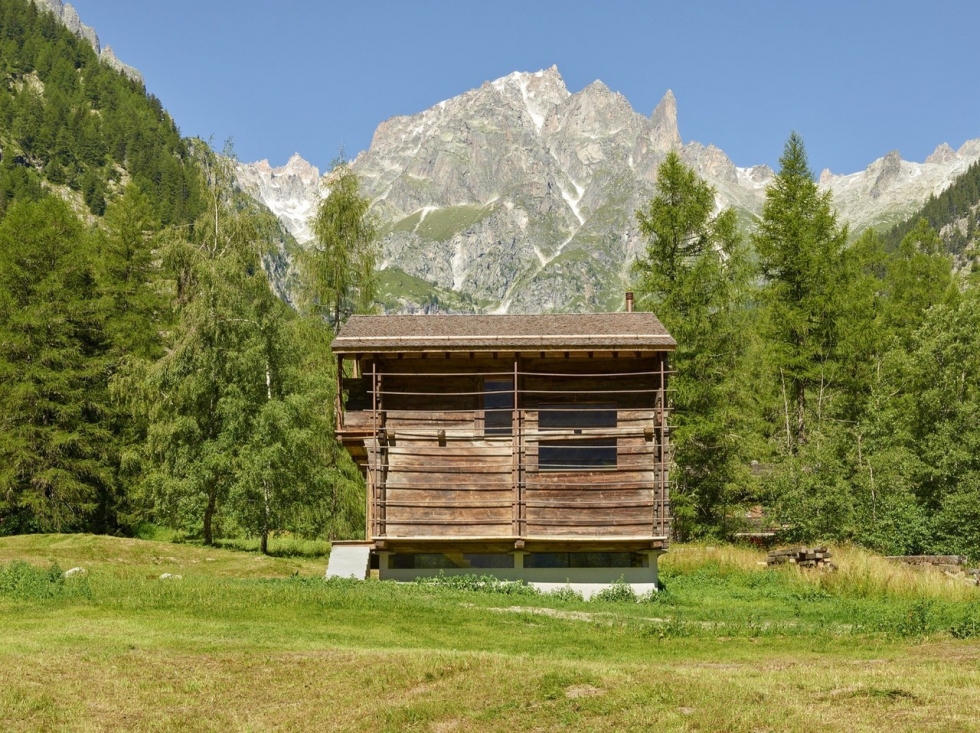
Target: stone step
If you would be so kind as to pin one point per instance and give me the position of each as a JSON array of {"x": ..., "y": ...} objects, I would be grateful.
[{"x": 349, "y": 561}]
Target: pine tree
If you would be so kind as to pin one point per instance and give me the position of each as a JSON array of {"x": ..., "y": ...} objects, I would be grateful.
[{"x": 56, "y": 446}]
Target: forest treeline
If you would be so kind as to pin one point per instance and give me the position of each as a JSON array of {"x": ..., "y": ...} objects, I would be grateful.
[
  {"x": 147, "y": 370},
  {"x": 148, "y": 373},
  {"x": 833, "y": 384},
  {"x": 69, "y": 120}
]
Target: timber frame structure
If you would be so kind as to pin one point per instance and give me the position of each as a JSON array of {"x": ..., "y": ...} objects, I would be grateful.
[{"x": 533, "y": 447}]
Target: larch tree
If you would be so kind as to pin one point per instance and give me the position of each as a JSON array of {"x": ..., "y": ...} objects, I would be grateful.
[
  {"x": 202, "y": 396},
  {"x": 800, "y": 247},
  {"x": 338, "y": 270},
  {"x": 693, "y": 276},
  {"x": 239, "y": 429}
]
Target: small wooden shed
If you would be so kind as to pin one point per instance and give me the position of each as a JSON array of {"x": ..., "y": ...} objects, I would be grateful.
[{"x": 523, "y": 446}]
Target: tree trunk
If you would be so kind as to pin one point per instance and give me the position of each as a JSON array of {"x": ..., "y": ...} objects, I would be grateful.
[
  {"x": 800, "y": 413},
  {"x": 209, "y": 517},
  {"x": 265, "y": 519}
]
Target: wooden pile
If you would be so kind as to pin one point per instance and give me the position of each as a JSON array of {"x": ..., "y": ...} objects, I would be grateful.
[
  {"x": 804, "y": 557},
  {"x": 948, "y": 563}
]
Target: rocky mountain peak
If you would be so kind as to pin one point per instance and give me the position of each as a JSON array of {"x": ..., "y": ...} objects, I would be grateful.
[
  {"x": 68, "y": 17},
  {"x": 889, "y": 170},
  {"x": 291, "y": 192},
  {"x": 942, "y": 154},
  {"x": 666, "y": 135},
  {"x": 539, "y": 93},
  {"x": 520, "y": 196}
]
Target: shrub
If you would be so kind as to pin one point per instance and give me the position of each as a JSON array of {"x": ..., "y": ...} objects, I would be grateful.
[
  {"x": 565, "y": 593},
  {"x": 478, "y": 583},
  {"x": 619, "y": 592},
  {"x": 24, "y": 582},
  {"x": 969, "y": 626}
]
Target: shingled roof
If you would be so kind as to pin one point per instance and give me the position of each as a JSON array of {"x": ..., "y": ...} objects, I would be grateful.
[{"x": 559, "y": 332}]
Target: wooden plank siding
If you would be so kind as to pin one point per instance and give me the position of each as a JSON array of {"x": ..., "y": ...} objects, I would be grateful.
[{"x": 435, "y": 470}]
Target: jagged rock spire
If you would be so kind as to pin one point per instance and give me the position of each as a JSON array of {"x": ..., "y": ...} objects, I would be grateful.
[{"x": 666, "y": 136}]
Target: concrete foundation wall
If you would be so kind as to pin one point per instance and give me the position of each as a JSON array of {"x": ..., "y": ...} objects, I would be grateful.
[{"x": 585, "y": 580}]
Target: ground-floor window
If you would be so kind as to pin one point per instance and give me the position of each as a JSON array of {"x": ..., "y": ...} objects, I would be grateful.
[
  {"x": 448, "y": 561},
  {"x": 586, "y": 560}
]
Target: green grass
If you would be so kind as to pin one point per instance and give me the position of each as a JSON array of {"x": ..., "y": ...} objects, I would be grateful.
[
  {"x": 443, "y": 224},
  {"x": 242, "y": 644},
  {"x": 440, "y": 225},
  {"x": 395, "y": 285}
]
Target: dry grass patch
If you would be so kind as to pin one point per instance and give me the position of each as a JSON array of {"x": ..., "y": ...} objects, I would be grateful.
[
  {"x": 929, "y": 689},
  {"x": 125, "y": 557}
]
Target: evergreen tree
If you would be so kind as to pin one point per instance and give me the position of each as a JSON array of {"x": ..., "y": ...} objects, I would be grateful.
[
  {"x": 933, "y": 397},
  {"x": 56, "y": 448},
  {"x": 919, "y": 275},
  {"x": 800, "y": 247},
  {"x": 131, "y": 279},
  {"x": 693, "y": 277}
]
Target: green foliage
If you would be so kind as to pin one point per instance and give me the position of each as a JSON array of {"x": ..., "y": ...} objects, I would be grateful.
[
  {"x": 967, "y": 627},
  {"x": 478, "y": 583},
  {"x": 55, "y": 444},
  {"x": 68, "y": 118},
  {"x": 237, "y": 437},
  {"x": 619, "y": 591},
  {"x": 23, "y": 582},
  {"x": 800, "y": 248},
  {"x": 694, "y": 278},
  {"x": 338, "y": 271}
]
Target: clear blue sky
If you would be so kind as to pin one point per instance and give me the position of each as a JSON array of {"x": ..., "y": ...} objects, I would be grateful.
[{"x": 856, "y": 79}]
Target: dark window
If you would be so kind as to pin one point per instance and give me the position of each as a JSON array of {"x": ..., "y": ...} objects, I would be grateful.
[
  {"x": 572, "y": 417},
  {"x": 576, "y": 454},
  {"x": 448, "y": 561},
  {"x": 498, "y": 406},
  {"x": 586, "y": 560}
]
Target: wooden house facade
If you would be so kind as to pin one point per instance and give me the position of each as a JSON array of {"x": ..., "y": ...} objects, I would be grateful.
[{"x": 522, "y": 446}]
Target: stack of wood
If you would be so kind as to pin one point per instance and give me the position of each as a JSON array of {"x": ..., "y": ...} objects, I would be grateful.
[
  {"x": 948, "y": 563},
  {"x": 804, "y": 557}
]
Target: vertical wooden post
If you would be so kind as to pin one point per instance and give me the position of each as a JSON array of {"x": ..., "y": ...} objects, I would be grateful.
[
  {"x": 515, "y": 460},
  {"x": 382, "y": 458},
  {"x": 373, "y": 459},
  {"x": 339, "y": 400},
  {"x": 665, "y": 449},
  {"x": 662, "y": 452}
]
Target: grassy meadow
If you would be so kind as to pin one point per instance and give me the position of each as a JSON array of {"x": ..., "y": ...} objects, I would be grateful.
[{"x": 244, "y": 642}]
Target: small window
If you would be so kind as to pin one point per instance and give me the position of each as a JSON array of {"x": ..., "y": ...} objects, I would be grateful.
[
  {"x": 571, "y": 417},
  {"x": 571, "y": 453},
  {"x": 498, "y": 407},
  {"x": 577, "y": 455}
]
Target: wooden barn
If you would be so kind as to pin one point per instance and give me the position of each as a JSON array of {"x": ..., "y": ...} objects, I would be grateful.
[{"x": 522, "y": 446}]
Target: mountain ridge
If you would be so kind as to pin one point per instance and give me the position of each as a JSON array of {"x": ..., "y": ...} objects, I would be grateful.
[
  {"x": 522, "y": 194},
  {"x": 68, "y": 16}
]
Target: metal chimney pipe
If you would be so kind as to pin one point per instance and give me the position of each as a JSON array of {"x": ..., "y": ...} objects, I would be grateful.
[{"x": 629, "y": 301}]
